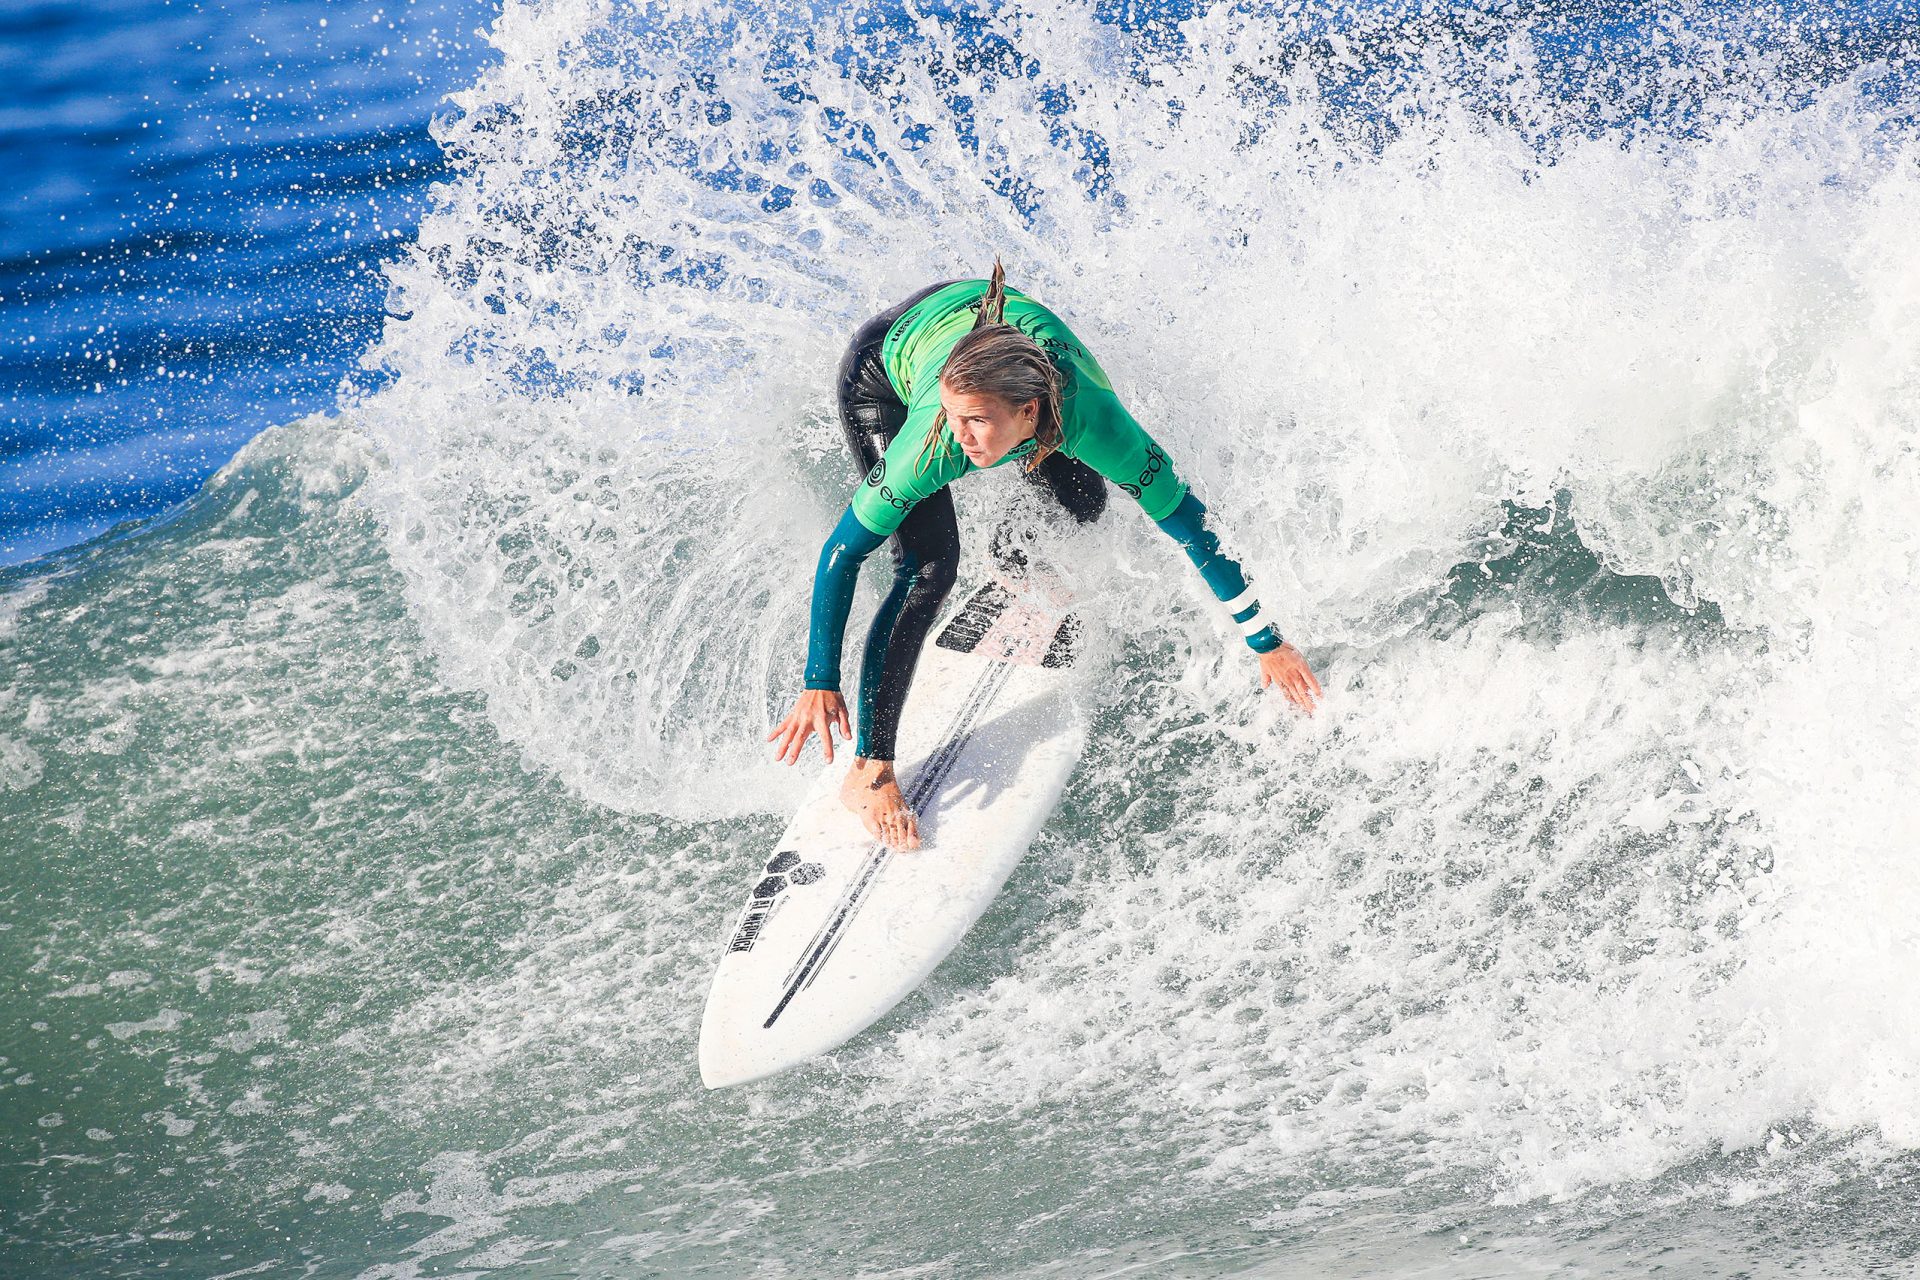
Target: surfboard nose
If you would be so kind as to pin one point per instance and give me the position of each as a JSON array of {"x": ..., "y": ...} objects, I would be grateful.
[
  {"x": 722, "y": 1062},
  {"x": 721, "y": 1070},
  {"x": 737, "y": 1049}
]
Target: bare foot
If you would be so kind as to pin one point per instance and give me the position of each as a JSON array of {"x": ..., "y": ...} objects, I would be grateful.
[{"x": 873, "y": 792}]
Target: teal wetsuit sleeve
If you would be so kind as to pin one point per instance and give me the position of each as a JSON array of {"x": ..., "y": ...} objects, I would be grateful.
[
  {"x": 846, "y": 549},
  {"x": 1186, "y": 525}
]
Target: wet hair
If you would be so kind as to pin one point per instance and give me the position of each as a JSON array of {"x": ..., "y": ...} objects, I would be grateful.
[{"x": 994, "y": 358}]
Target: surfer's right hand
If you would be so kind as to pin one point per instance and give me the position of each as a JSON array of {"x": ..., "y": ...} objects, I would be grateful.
[{"x": 818, "y": 711}]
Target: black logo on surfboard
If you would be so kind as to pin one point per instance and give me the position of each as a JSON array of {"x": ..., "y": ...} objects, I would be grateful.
[{"x": 783, "y": 869}]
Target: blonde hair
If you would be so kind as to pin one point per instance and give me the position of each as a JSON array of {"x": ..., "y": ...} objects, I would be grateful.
[{"x": 994, "y": 358}]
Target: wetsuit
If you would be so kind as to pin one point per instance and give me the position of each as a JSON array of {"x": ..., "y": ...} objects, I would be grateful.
[{"x": 889, "y": 395}]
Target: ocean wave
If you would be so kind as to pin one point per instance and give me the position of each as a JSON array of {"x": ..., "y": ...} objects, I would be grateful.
[{"x": 1566, "y": 421}]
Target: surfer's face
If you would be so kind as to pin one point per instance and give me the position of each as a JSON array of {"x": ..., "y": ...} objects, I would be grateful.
[{"x": 986, "y": 426}]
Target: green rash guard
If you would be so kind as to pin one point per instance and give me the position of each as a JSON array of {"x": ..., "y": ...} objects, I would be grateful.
[{"x": 1097, "y": 428}]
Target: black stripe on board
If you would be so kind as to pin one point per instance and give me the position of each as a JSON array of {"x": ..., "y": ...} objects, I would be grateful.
[
  {"x": 984, "y": 691},
  {"x": 936, "y": 763},
  {"x": 937, "y": 769}
]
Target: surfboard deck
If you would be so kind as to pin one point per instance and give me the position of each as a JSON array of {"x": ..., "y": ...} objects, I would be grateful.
[{"x": 837, "y": 928}]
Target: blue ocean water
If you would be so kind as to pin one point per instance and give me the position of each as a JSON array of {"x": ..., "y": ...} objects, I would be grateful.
[
  {"x": 375, "y": 809},
  {"x": 202, "y": 195}
]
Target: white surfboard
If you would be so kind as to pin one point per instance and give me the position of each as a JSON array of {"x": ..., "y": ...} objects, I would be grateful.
[{"x": 837, "y": 929}]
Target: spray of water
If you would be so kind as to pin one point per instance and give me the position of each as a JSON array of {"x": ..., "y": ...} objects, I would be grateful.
[{"x": 1561, "y": 891}]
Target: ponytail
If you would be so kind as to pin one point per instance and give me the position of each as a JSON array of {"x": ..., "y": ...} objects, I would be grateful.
[{"x": 993, "y": 307}]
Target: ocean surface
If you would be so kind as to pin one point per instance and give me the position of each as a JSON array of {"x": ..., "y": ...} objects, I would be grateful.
[
  {"x": 382, "y": 685},
  {"x": 200, "y": 198}
]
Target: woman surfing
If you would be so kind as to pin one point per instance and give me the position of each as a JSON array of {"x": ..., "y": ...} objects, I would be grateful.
[{"x": 961, "y": 377}]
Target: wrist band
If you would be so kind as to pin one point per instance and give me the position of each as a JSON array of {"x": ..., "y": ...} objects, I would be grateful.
[
  {"x": 1256, "y": 624},
  {"x": 1256, "y": 621}
]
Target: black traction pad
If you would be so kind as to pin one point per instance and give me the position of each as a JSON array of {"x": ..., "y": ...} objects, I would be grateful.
[{"x": 1017, "y": 626}]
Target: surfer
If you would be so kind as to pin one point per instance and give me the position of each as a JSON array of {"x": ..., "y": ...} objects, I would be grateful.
[{"x": 960, "y": 377}]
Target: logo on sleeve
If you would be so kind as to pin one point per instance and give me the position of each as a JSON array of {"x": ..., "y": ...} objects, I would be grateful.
[
  {"x": 1156, "y": 462},
  {"x": 876, "y": 479}
]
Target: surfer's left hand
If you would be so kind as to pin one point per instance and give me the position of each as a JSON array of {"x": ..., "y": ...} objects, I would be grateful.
[{"x": 1285, "y": 667}]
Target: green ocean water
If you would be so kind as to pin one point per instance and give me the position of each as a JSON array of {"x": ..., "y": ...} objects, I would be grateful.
[{"x": 310, "y": 974}]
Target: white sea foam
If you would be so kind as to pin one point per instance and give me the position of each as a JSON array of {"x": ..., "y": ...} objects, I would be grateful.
[{"x": 1572, "y": 903}]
